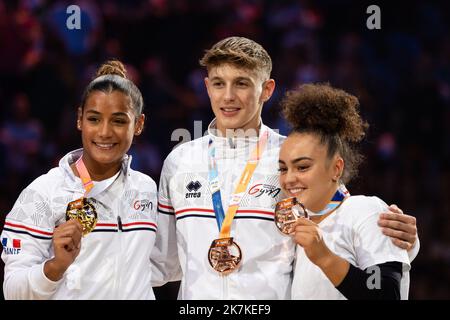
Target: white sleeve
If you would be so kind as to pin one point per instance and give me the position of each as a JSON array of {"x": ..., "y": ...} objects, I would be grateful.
[
  {"x": 371, "y": 245},
  {"x": 414, "y": 251},
  {"x": 166, "y": 265},
  {"x": 27, "y": 241}
]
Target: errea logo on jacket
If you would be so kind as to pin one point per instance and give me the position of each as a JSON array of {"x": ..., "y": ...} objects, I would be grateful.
[
  {"x": 193, "y": 187},
  {"x": 11, "y": 247}
]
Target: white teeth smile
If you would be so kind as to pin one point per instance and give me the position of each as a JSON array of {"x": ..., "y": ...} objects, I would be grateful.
[
  {"x": 104, "y": 145},
  {"x": 296, "y": 190},
  {"x": 230, "y": 109}
]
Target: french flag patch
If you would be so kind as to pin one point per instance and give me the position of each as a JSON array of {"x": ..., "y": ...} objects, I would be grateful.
[
  {"x": 13, "y": 247},
  {"x": 16, "y": 243}
]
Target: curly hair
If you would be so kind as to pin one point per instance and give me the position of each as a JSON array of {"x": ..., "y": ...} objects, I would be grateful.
[
  {"x": 239, "y": 51},
  {"x": 333, "y": 115}
]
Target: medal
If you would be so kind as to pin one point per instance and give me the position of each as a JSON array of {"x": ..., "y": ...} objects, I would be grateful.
[
  {"x": 224, "y": 255},
  {"x": 84, "y": 211},
  {"x": 287, "y": 211}
]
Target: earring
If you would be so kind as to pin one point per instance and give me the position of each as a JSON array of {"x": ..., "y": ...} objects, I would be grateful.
[{"x": 79, "y": 124}]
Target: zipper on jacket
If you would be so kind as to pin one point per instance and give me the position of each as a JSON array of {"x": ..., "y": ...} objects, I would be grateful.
[
  {"x": 224, "y": 287},
  {"x": 119, "y": 267},
  {"x": 119, "y": 223},
  {"x": 231, "y": 143}
]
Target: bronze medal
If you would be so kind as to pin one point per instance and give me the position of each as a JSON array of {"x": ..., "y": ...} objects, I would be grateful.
[
  {"x": 84, "y": 211},
  {"x": 224, "y": 255},
  {"x": 287, "y": 211}
]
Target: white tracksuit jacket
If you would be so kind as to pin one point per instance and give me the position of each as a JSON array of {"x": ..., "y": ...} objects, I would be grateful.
[
  {"x": 114, "y": 261},
  {"x": 186, "y": 212}
]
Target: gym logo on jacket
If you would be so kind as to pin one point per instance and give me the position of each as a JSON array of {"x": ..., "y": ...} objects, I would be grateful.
[
  {"x": 141, "y": 205},
  {"x": 260, "y": 189},
  {"x": 13, "y": 247},
  {"x": 193, "y": 187}
]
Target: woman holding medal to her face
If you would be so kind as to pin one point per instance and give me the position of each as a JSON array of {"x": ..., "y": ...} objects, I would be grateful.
[
  {"x": 341, "y": 252},
  {"x": 86, "y": 229}
]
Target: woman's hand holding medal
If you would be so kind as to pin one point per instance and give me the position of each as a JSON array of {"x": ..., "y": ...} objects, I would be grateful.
[
  {"x": 66, "y": 246},
  {"x": 292, "y": 218},
  {"x": 308, "y": 235},
  {"x": 81, "y": 218}
]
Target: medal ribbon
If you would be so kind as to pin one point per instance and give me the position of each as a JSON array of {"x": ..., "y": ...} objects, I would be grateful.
[
  {"x": 84, "y": 176},
  {"x": 224, "y": 222},
  {"x": 340, "y": 195}
]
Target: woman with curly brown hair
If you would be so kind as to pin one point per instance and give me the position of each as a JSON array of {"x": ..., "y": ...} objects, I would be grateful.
[{"x": 341, "y": 253}]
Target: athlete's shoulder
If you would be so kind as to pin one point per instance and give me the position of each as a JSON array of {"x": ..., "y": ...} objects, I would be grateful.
[
  {"x": 141, "y": 179},
  {"x": 361, "y": 207},
  {"x": 189, "y": 147},
  {"x": 186, "y": 154},
  {"x": 54, "y": 177},
  {"x": 43, "y": 188}
]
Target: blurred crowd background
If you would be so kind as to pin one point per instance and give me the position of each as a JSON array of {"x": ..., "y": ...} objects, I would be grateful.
[{"x": 401, "y": 74}]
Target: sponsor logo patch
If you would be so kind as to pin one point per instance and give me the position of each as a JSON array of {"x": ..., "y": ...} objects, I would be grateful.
[
  {"x": 193, "y": 187},
  {"x": 264, "y": 189},
  {"x": 142, "y": 205}
]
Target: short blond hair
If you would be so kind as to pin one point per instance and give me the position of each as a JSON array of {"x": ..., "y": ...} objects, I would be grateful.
[{"x": 238, "y": 51}]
